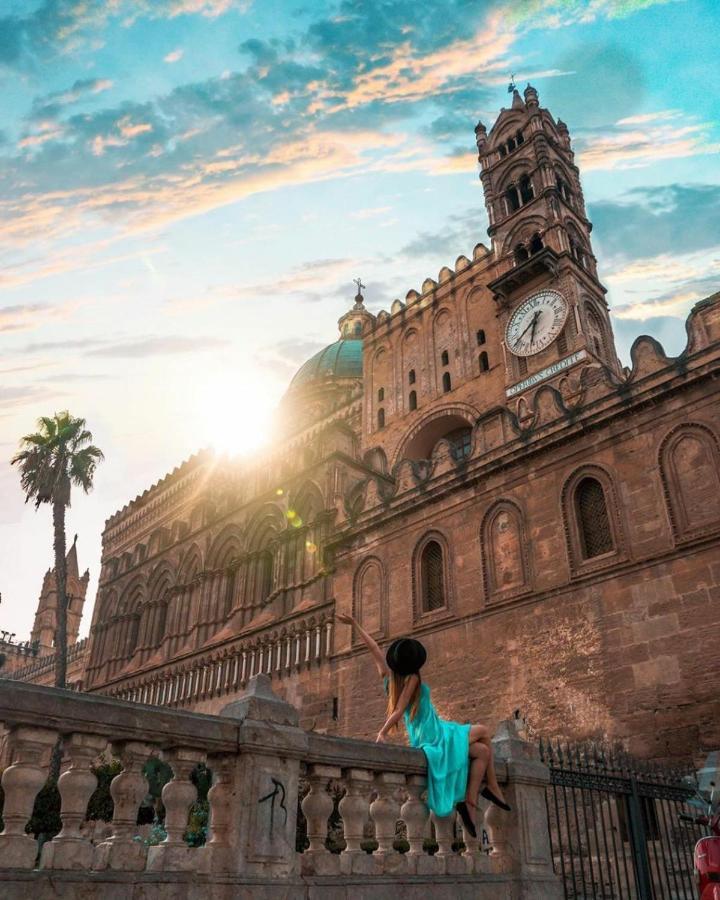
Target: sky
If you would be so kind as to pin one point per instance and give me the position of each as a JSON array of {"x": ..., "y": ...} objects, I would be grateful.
[{"x": 188, "y": 188}]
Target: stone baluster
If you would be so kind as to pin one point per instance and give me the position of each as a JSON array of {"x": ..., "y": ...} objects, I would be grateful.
[
  {"x": 127, "y": 789},
  {"x": 520, "y": 839},
  {"x": 474, "y": 853},
  {"x": 385, "y": 812},
  {"x": 70, "y": 849},
  {"x": 215, "y": 856},
  {"x": 354, "y": 808},
  {"x": 178, "y": 795},
  {"x": 414, "y": 814},
  {"x": 317, "y": 807},
  {"x": 30, "y": 750},
  {"x": 444, "y": 835}
]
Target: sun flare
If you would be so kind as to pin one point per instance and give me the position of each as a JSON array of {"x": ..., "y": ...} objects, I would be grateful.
[{"x": 237, "y": 420}]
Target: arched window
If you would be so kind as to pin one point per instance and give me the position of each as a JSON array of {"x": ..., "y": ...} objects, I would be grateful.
[
  {"x": 513, "y": 198},
  {"x": 521, "y": 254},
  {"x": 511, "y": 145},
  {"x": 519, "y": 138},
  {"x": 446, "y": 382},
  {"x": 411, "y": 376},
  {"x": 536, "y": 244},
  {"x": 480, "y": 337},
  {"x": 484, "y": 362},
  {"x": 592, "y": 519},
  {"x": 445, "y": 358},
  {"x": 432, "y": 577},
  {"x": 229, "y": 593},
  {"x": 160, "y": 623},
  {"x": 412, "y": 400},
  {"x": 133, "y": 633},
  {"x": 381, "y": 395},
  {"x": 460, "y": 442},
  {"x": 595, "y": 332},
  {"x": 381, "y": 418},
  {"x": 690, "y": 470},
  {"x": 526, "y": 189},
  {"x": 265, "y": 575},
  {"x": 358, "y": 328},
  {"x": 503, "y": 150}
]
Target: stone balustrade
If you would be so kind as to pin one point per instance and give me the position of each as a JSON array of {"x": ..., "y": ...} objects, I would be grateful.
[
  {"x": 262, "y": 765},
  {"x": 278, "y": 654}
]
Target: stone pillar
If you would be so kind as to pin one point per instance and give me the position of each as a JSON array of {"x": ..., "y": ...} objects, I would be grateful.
[
  {"x": 217, "y": 854},
  {"x": 317, "y": 807},
  {"x": 178, "y": 795},
  {"x": 121, "y": 850},
  {"x": 265, "y": 775},
  {"x": 70, "y": 849},
  {"x": 520, "y": 839},
  {"x": 30, "y": 750}
]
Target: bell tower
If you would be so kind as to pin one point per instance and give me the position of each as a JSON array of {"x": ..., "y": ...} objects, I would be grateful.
[{"x": 551, "y": 304}]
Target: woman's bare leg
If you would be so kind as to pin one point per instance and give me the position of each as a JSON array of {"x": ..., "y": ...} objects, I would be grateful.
[
  {"x": 479, "y": 755},
  {"x": 481, "y": 734}
]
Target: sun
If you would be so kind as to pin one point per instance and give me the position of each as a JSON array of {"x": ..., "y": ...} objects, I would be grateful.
[{"x": 236, "y": 420}]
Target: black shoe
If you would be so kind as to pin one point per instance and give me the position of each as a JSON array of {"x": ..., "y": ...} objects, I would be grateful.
[
  {"x": 462, "y": 808},
  {"x": 488, "y": 795}
]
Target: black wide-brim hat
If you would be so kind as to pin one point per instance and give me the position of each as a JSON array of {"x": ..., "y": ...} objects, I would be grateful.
[{"x": 406, "y": 656}]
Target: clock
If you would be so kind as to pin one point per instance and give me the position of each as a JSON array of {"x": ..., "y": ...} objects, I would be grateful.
[{"x": 536, "y": 323}]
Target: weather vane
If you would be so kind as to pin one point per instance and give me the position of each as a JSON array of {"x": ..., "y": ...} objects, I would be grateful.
[{"x": 511, "y": 86}]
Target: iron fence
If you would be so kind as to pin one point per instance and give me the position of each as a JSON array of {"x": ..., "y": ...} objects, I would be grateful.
[{"x": 615, "y": 827}]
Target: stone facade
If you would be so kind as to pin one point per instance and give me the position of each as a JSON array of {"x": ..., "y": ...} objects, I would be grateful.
[{"x": 544, "y": 519}]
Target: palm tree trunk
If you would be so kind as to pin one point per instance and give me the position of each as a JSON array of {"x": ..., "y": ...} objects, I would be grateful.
[{"x": 61, "y": 583}]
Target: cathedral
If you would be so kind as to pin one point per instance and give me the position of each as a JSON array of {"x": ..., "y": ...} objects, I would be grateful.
[{"x": 473, "y": 467}]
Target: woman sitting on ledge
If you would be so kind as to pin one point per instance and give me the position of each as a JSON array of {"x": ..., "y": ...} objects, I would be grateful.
[{"x": 459, "y": 757}]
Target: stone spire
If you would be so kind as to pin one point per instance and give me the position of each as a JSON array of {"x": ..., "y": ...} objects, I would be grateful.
[{"x": 71, "y": 561}]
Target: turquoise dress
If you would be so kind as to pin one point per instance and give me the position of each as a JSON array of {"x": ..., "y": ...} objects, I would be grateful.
[{"x": 447, "y": 749}]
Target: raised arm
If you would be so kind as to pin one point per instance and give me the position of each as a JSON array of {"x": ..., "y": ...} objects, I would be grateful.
[{"x": 376, "y": 652}]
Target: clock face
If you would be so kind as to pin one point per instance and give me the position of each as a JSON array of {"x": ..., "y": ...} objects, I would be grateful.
[{"x": 536, "y": 323}]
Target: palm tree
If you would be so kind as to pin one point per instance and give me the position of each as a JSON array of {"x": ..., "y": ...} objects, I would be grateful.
[{"x": 57, "y": 456}]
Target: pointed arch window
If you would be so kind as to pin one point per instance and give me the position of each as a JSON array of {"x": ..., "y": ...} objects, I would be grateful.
[
  {"x": 520, "y": 254},
  {"x": 265, "y": 575},
  {"x": 445, "y": 358},
  {"x": 381, "y": 418},
  {"x": 593, "y": 521},
  {"x": 411, "y": 376},
  {"x": 432, "y": 577},
  {"x": 513, "y": 198},
  {"x": 412, "y": 400},
  {"x": 446, "y": 382},
  {"x": 381, "y": 395},
  {"x": 480, "y": 337},
  {"x": 536, "y": 244},
  {"x": 484, "y": 362},
  {"x": 526, "y": 189}
]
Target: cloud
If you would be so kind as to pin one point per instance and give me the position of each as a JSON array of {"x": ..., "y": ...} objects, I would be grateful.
[
  {"x": 49, "y": 105},
  {"x": 370, "y": 213},
  {"x": 23, "y": 317},
  {"x": 168, "y": 345},
  {"x": 460, "y": 234},
  {"x": 647, "y": 222},
  {"x": 641, "y": 140},
  {"x": 174, "y": 56}
]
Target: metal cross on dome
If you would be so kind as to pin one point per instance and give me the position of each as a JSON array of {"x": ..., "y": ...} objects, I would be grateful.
[{"x": 360, "y": 285}]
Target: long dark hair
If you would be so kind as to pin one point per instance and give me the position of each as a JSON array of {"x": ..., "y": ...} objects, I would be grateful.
[{"x": 396, "y": 685}]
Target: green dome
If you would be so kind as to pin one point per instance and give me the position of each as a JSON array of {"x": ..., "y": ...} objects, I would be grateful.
[{"x": 343, "y": 359}]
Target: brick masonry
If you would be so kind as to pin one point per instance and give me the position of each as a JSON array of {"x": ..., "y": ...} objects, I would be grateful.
[{"x": 221, "y": 567}]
